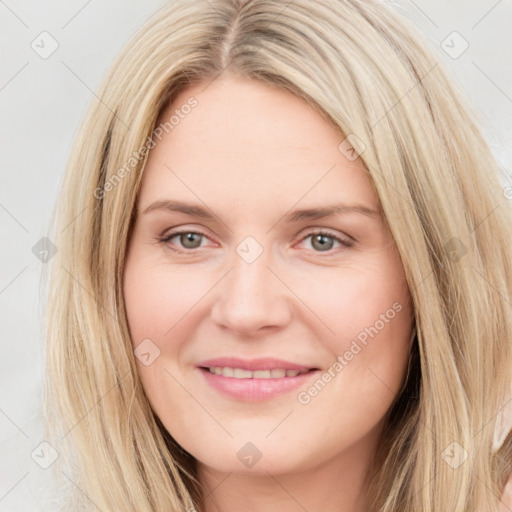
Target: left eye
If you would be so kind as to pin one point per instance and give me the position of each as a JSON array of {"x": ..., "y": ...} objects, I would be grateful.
[
  {"x": 325, "y": 241},
  {"x": 320, "y": 241}
]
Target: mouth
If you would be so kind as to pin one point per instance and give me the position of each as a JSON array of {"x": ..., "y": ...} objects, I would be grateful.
[
  {"x": 241, "y": 373},
  {"x": 256, "y": 380}
]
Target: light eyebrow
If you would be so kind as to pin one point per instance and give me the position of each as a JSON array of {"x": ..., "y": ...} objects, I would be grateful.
[
  {"x": 330, "y": 210},
  {"x": 294, "y": 216},
  {"x": 178, "y": 206}
]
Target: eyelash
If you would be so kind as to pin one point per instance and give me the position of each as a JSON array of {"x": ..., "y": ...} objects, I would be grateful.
[{"x": 344, "y": 242}]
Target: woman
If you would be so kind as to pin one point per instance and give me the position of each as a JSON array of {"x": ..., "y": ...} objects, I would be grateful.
[{"x": 279, "y": 284}]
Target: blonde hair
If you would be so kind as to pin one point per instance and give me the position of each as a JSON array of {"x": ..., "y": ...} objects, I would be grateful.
[{"x": 361, "y": 67}]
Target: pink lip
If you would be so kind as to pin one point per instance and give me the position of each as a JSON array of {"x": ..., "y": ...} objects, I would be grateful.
[
  {"x": 251, "y": 390},
  {"x": 266, "y": 363}
]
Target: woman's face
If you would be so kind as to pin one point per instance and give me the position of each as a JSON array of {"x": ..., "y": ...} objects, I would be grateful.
[{"x": 263, "y": 272}]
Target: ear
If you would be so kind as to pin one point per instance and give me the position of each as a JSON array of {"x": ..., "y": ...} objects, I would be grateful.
[
  {"x": 506, "y": 498},
  {"x": 503, "y": 424}
]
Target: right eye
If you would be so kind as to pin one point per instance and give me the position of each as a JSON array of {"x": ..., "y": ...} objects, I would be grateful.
[{"x": 188, "y": 240}]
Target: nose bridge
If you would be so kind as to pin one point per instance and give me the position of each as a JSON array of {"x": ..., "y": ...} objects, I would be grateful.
[
  {"x": 250, "y": 274},
  {"x": 251, "y": 297}
]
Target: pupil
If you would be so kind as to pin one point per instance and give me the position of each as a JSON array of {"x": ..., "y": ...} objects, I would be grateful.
[
  {"x": 321, "y": 239},
  {"x": 189, "y": 239}
]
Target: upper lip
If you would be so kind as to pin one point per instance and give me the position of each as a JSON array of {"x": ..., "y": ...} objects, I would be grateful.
[{"x": 265, "y": 363}]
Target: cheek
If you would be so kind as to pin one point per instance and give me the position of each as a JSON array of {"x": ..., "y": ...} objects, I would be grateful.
[
  {"x": 157, "y": 299},
  {"x": 157, "y": 302},
  {"x": 369, "y": 316},
  {"x": 359, "y": 303}
]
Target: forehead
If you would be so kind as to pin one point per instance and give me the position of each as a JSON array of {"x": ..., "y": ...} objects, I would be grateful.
[{"x": 251, "y": 141}]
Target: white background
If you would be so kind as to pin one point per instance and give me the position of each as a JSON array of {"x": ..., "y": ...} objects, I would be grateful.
[{"x": 42, "y": 103}]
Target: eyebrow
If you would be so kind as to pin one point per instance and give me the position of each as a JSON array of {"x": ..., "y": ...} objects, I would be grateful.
[{"x": 294, "y": 216}]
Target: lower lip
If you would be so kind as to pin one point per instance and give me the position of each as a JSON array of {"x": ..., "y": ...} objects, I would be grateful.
[{"x": 252, "y": 390}]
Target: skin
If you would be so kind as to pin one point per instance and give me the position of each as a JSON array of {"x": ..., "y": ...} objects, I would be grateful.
[{"x": 252, "y": 153}]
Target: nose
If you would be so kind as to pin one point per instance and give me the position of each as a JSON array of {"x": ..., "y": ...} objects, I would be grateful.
[{"x": 251, "y": 299}]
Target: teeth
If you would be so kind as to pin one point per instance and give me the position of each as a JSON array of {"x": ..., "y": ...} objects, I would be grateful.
[{"x": 239, "y": 373}]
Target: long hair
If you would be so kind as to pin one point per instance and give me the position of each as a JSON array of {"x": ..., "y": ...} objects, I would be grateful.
[{"x": 361, "y": 67}]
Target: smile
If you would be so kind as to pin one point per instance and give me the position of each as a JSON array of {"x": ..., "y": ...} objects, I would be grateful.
[
  {"x": 254, "y": 385},
  {"x": 240, "y": 373}
]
